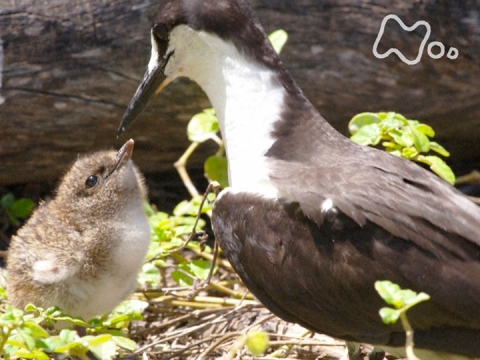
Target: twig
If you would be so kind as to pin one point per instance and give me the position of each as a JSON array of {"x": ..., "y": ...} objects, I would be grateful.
[
  {"x": 230, "y": 292},
  {"x": 175, "y": 334},
  {"x": 409, "y": 337},
  {"x": 202, "y": 302},
  {"x": 473, "y": 177},
  {"x": 209, "y": 257},
  {"x": 180, "y": 165},
  {"x": 474, "y": 199},
  {"x": 213, "y": 186},
  {"x": 218, "y": 342}
]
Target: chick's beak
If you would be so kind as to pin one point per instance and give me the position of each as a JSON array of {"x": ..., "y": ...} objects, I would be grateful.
[
  {"x": 152, "y": 83},
  {"x": 124, "y": 154},
  {"x": 122, "y": 157}
]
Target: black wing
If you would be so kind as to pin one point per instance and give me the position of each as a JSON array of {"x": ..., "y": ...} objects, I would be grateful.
[
  {"x": 318, "y": 270},
  {"x": 397, "y": 195}
]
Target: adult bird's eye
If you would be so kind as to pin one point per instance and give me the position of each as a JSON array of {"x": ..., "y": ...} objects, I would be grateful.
[
  {"x": 91, "y": 181},
  {"x": 160, "y": 33}
]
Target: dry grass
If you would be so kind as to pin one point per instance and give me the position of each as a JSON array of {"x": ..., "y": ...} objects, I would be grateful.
[{"x": 207, "y": 321}]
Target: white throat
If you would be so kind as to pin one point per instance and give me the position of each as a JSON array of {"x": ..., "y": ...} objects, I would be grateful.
[{"x": 245, "y": 96}]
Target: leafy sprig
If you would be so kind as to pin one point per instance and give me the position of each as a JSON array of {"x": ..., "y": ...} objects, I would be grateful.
[
  {"x": 16, "y": 209},
  {"x": 29, "y": 334},
  {"x": 401, "y": 300},
  {"x": 401, "y": 137}
]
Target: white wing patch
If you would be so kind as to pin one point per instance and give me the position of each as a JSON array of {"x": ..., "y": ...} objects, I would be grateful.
[
  {"x": 327, "y": 205},
  {"x": 51, "y": 270}
]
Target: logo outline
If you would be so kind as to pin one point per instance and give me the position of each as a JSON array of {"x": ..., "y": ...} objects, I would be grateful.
[{"x": 395, "y": 50}]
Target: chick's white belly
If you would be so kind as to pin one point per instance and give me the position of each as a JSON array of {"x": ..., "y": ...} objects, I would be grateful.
[
  {"x": 92, "y": 298},
  {"x": 115, "y": 281}
]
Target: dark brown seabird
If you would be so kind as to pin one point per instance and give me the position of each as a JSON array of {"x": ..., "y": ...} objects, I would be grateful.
[{"x": 312, "y": 220}]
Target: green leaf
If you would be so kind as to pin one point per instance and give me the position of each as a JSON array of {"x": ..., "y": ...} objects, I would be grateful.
[
  {"x": 181, "y": 278},
  {"x": 439, "y": 149},
  {"x": 401, "y": 137},
  {"x": 397, "y": 116},
  {"x": 391, "y": 145},
  {"x": 123, "y": 319},
  {"x": 190, "y": 207},
  {"x": 389, "y": 315},
  {"x": 257, "y": 342},
  {"x": 400, "y": 299},
  {"x": 34, "y": 354},
  {"x": 393, "y": 121},
  {"x": 105, "y": 350},
  {"x": 390, "y": 292},
  {"x": 200, "y": 268},
  {"x": 203, "y": 126},
  {"x": 125, "y": 343},
  {"x": 439, "y": 167},
  {"x": 7, "y": 200},
  {"x": 420, "y": 140},
  {"x": 72, "y": 320},
  {"x": 361, "y": 120},
  {"x": 26, "y": 336},
  {"x": 15, "y": 343},
  {"x": 68, "y": 336},
  {"x": 278, "y": 38},
  {"x": 409, "y": 152},
  {"x": 31, "y": 308},
  {"x": 367, "y": 135},
  {"x": 216, "y": 169},
  {"x": 22, "y": 208},
  {"x": 131, "y": 306},
  {"x": 3, "y": 293},
  {"x": 425, "y": 129},
  {"x": 90, "y": 340},
  {"x": 50, "y": 344},
  {"x": 149, "y": 275},
  {"x": 36, "y": 330}
]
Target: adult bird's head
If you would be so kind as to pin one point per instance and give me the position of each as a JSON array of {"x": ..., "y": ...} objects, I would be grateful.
[{"x": 187, "y": 36}]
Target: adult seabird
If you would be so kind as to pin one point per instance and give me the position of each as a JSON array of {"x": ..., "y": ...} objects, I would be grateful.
[{"x": 312, "y": 220}]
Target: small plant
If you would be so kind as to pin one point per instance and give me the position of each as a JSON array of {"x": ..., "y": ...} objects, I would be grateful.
[
  {"x": 401, "y": 137},
  {"x": 257, "y": 342},
  {"x": 401, "y": 300},
  {"x": 28, "y": 334},
  {"x": 16, "y": 209},
  {"x": 169, "y": 234}
]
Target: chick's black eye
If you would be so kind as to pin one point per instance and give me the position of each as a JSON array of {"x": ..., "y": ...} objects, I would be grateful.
[{"x": 91, "y": 181}]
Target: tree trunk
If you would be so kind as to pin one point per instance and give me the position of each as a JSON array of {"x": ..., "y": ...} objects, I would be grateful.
[{"x": 69, "y": 68}]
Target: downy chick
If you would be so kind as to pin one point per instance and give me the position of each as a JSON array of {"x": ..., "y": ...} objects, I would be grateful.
[{"x": 83, "y": 249}]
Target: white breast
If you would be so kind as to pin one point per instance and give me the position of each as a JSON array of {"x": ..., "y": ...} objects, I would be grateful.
[
  {"x": 100, "y": 295},
  {"x": 244, "y": 94}
]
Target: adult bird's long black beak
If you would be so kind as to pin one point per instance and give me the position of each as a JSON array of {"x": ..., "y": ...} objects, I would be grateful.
[{"x": 153, "y": 82}]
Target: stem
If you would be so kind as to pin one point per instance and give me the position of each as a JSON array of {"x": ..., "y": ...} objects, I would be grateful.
[
  {"x": 4, "y": 339},
  {"x": 180, "y": 165},
  {"x": 409, "y": 337},
  {"x": 238, "y": 345}
]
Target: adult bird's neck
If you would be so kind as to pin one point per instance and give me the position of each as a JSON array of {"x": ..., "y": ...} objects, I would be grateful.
[
  {"x": 249, "y": 104},
  {"x": 251, "y": 101}
]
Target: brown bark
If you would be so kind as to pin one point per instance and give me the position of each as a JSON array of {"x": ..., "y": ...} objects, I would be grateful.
[{"x": 68, "y": 70}]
